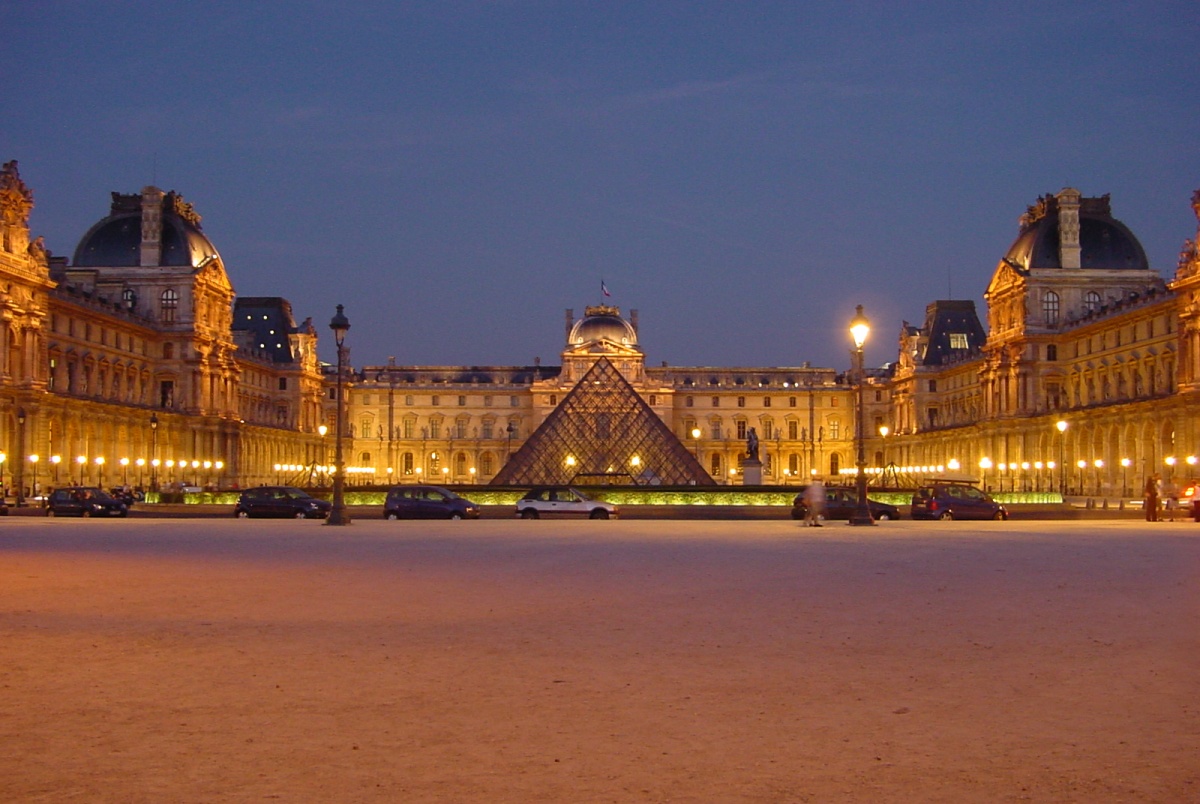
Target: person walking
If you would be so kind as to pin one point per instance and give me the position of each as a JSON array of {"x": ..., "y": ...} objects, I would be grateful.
[
  {"x": 1150, "y": 498},
  {"x": 814, "y": 503}
]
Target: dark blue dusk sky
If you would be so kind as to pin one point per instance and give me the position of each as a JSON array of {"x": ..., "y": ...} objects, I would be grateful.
[{"x": 457, "y": 173}]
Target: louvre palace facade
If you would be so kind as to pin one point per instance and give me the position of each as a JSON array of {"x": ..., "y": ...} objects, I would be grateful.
[{"x": 135, "y": 362}]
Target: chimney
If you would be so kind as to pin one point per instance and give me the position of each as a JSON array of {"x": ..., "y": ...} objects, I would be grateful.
[
  {"x": 152, "y": 206},
  {"x": 1068, "y": 228},
  {"x": 570, "y": 322},
  {"x": 633, "y": 321}
]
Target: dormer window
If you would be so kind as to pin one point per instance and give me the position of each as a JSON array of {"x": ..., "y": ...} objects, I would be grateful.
[
  {"x": 1091, "y": 302},
  {"x": 958, "y": 340}
]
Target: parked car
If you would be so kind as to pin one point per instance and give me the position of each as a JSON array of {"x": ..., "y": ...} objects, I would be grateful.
[
  {"x": 948, "y": 500},
  {"x": 280, "y": 501},
  {"x": 123, "y": 494},
  {"x": 427, "y": 502},
  {"x": 1189, "y": 498},
  {"x": 841, "y": 503},
  {"x": 563, "y": 501},
  {"x": 84, "y": 501},
  {"x": 3, "y": 505}
]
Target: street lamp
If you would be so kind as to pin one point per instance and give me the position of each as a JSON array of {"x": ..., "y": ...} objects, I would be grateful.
[
  {"x": 154, "y": 452},
  {"x": 33, "y": 461},
  {"x": 1099, "y": 464},
  {"x": 1081, "y": 463},
  {"x": 985, "y": 463},
  {"x": 19, "y": 475},
  {"x": 510, "y": 430},
  {"x": 56, "y": 460},
  {"x": 3, "y": 458},
  {"x": 100, "y": 471},
  {"x": 696, "y": 438},
  {"x": 1061, "y": 424},
  {"x": 81, "y": 460},
  {"x": 337, "y": 515},
  {"x": 124, "y": 471},
  {"x": 1125, "y": 462},
  {"x": 140, "y": 463},
  {"x": 860, "y": 328}
]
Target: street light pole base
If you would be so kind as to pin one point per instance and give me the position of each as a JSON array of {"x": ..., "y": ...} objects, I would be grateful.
[{"x": 337, "y": 517}]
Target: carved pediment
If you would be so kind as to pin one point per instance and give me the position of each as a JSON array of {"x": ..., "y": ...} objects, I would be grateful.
[{"x": 1006, "y": 278}]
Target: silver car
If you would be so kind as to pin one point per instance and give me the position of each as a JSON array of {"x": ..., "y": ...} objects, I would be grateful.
[{"x": 563, "y": 501}]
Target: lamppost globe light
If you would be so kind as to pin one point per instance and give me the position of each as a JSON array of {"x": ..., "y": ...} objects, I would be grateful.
[
  {"x": 322, "y": 430},
  {"x": 860, "y": 328},
  {"x": 1061, "y": 425}
]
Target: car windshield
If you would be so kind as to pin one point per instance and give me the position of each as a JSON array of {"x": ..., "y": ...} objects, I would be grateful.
[
  {"x": 579, "y": 495},
  {"x": 295, "y": 494}
]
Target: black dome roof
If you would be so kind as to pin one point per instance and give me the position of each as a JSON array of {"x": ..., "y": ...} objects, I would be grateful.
[
  {"x": 117, "y": 239},
  {"x": 1104, "y": 242}
]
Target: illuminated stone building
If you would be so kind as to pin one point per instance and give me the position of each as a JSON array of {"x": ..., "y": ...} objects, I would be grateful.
[
  {"x": 135, "y": 351},
  {"x": 1080, "y": 331},
  {"x": 459, "y": 424}
]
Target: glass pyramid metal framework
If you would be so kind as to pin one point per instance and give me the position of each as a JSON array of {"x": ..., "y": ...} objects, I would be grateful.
[{"x": 603, "y": 433}]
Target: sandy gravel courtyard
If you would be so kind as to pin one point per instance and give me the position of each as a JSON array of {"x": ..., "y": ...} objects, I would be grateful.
[{"x": 632, "y": 661}]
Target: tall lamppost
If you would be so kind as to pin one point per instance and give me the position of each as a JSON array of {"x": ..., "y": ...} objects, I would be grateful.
[
  {"x": 81, "y": 461},
  {"x": 1099, "y": 464},
  {"x": 696, "y": 438},
  {"x": 321, "y": 431},
  {"x": 337, "y": 515},
  {"x": 19, "y": 474},
  {"x": 510, "y": 430},
  {"x": 100, "y": 471},
  {"x": 1125, "y": 462},
  {"x": 859, "y": 329},
  {"x": 1081, "y": 463},
  {"x": 154, "y": 452},
  {"x": 33, "y": 462},
  {"x": 1061, "y": 424},
  {"x": 3, "y": 458}
]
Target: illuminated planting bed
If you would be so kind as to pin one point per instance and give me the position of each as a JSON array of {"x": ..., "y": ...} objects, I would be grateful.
[{"x": 637, "y": 495}]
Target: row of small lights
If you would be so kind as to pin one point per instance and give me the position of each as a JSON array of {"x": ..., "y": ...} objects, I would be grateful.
[
  {"x": 350, "y": 470},
  {"x": 986, "y": 463},
  {"x": 139, "y": 462}
]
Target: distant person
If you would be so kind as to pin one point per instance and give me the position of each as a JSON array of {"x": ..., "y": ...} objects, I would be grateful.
[
  {"x": 814, "y": 503},
  {"x": 1150, "y": 498}
]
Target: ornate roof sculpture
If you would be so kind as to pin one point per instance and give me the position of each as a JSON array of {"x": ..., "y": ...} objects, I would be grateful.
[
  {"x": 603, "y": 432},
  {"x": 165, "y": 222}
]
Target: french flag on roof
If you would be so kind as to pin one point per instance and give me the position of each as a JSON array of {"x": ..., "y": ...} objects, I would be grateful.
[{"x": 604, "y": 288}]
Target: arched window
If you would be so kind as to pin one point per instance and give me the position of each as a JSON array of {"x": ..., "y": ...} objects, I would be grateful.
[
  {"x": 834, "y": 428},
  {"x": 485, "y": 463},
  {"x": 1050, "y": 308},
  {"x": 406, "y": 463},
  {"x": 1091, "y": 301},
  {"x": 460, "y": 464},
  {"x": 168, "y": 303}
]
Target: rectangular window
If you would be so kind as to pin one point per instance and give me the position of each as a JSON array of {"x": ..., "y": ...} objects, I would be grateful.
[
  {"x": 1051, "y": 352},
  {"x": 460, "y": 429},
  {"x": 741, "y": 429},
  {"x": 766, "y": 401},
  {"x": 741, "y": 402},
  {"x": 767, "y": 430},
  {"x": 791, "y": 401},
  {"x": 462, "y": 401},
  {"x": 487, "y": 401},
  {"x": 435, "y": 429},
  {"x": 487, "y": 429},
  {"x": 793, "y": 431},
  {"x": 283, "y": 383},
  {"x": 408, "y": 400},
  {"x": 958, "y": 340},
  {"x": 512, "y": 401},
  {"x": 691, "y": 401},
  {"x": 716, "y": 430},
  {"x": 716, "y": 401},
  {"x": 653, "y": 399},
  {"x": 436, "y": 401},
  {"x": 933, "y": 385},
  {"x": 407, "y": 428}
]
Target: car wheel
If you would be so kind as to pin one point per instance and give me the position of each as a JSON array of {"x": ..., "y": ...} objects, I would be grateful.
[
  {"x": 241, "y": 513},
  {"x": 123, "y": 513},
  {"x": 529, "y": 513},
  {"x": 456, "y": 515},
  {"x": 884, "y": 516},
  {"x": 944, "y": 515},
  {"x": 300, "y": 515},
  {"x": 49, "y": 512},
  {"x": 999, "y": 516},
  {"x": 85, "y": 513},
  {"x": 391, "y": 515},
  {"x": 599, "y": 513}
]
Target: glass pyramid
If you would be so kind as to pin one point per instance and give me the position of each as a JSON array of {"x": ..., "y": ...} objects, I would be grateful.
[{"x": 603, "y": 433}]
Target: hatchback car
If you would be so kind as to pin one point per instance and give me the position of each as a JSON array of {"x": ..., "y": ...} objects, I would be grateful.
[
  {"x": 427, "y": 502},
  {"x": 84, "y": 501},
  {"x": 280, "y": 501},
  {"x": 563, "y": 501},
  {"x": 955, "y": 501},
  {"x": 841, "y": 503}
]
